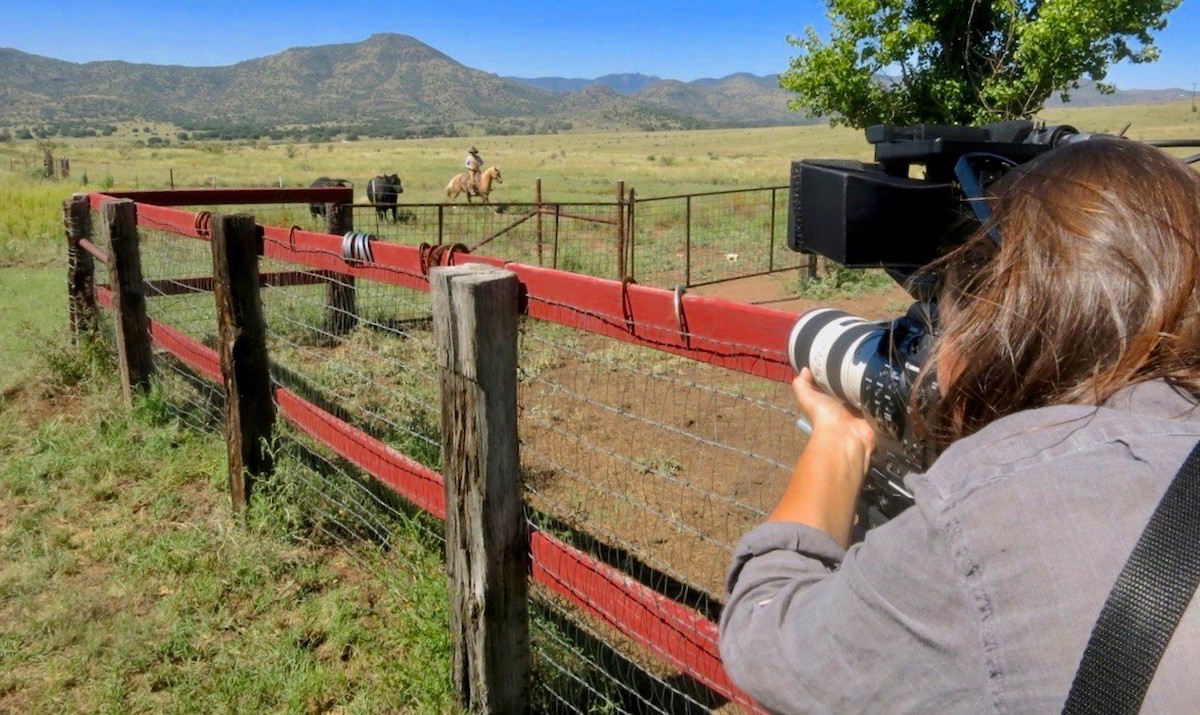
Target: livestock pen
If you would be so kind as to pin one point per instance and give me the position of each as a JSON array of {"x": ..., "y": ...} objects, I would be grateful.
[
  {"x": 684, "y": 239},
  {"x": 654, "y": 426}
]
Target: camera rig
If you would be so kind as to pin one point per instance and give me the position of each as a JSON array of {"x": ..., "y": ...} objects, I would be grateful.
[{"x": 879, "y": 215}]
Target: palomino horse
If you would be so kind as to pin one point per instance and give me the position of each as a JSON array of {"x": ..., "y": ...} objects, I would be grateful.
[{"x": 460, "y": 184}]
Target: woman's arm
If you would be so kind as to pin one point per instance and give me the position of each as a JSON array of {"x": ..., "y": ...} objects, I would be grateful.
[
  {"x": 892, "y": 629},
  {"x": 881, "y": 633},
  {"x": 830, "y": 472}
]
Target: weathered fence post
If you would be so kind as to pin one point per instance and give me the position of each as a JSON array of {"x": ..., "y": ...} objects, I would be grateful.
[
  {"x": 537, "y": 197},
  {"x": 129, "y": 298},
  {"x": 687, "y": 242},
  {"x": 81, "y": 267},
  {"x": 341, "y": 312},
  {"x": 441, "y": 222},
  {"x": 630, "y": 234},
  {"x": 249, "y": 408},
  {"x": 554, "y": 248},
  {"x": 771, "y": 254},
  {"x": 487, "y": 549},
  {"x": 620, "y": 230}
]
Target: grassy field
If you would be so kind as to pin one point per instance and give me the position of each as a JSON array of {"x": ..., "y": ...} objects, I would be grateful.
[
  {"x": 573, "y": 167},
  {"x": 126, "y": 586}
]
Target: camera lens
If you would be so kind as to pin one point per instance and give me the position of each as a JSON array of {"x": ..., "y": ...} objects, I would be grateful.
[
  {"x": 870, "y": 366},
  {"x": 838, "y": 348}
]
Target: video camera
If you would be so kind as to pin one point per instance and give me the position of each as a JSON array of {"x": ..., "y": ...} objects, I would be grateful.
[{"x": 880, "y": 216}]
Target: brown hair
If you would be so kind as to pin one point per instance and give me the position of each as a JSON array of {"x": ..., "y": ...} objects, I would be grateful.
[{"x": 1093, "y": 287}]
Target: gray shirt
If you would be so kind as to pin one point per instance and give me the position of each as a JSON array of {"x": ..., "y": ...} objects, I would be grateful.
[{"x": 981, "y": 597}]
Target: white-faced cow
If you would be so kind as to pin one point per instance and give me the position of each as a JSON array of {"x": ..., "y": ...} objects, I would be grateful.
[
  {"x": 319, "y": 209},
  {"x": 383, "y": 192}
]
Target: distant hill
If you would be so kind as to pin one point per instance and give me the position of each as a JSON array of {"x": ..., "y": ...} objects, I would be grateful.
[
  {"x": 389, "y": 85},
  {"x": 741, "y": 99},
  {"x": 384, "y": 74},
  {"x": 627, "y": 83},
  {"x": 1088, "y": 96},
  {"x": 379, "y": 86}
]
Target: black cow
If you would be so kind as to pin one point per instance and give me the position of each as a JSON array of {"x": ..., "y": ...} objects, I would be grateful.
[
  {"x": 383, "y": 191},
  {"x": 319, "y": 209}
]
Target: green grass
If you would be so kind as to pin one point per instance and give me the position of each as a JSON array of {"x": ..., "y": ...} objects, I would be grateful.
[
  {"x": 33, "y": 320},
  {"x": 835, "y": 281},
  {"x": 127, "y": 586}
]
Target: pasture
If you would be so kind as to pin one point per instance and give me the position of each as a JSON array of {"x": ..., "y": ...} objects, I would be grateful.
[
  {"x": 573, "y": 167},
  {"x": 240, "y": 614}
]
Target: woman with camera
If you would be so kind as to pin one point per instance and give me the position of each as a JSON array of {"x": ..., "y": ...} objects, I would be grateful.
[{"x": 1068, "y": 368}]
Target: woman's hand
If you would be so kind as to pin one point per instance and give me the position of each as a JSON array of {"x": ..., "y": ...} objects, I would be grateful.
[
  {"x": 831, "y": 469},
  {"x": 827, "y": 413}
]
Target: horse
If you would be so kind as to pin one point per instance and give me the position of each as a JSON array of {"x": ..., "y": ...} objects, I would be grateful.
[
  {"x": 319, "y": 209},
  {"x": 460, "y": 184},
  {"x": 383, "y": 191}
]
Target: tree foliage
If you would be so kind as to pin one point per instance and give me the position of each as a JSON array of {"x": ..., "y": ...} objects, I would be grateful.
[{"x": 964, "y": 61}]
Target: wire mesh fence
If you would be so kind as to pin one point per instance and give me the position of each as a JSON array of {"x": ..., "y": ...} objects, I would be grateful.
[
  {"x": 658, "y": 460},
  {"x": 651, "y": 464},
  {"x": 693, "y": 239},
  {"x": 576, "y": 237},
  {"x": 705, "y": 238}
]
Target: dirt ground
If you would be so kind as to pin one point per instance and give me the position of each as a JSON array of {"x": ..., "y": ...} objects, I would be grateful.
[
  {"x": 776, "y": 291},
  {"x": 664, "y": 457}
]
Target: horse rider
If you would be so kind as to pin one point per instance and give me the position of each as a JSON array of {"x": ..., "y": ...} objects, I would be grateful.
[{"x": 474, "y": 164}]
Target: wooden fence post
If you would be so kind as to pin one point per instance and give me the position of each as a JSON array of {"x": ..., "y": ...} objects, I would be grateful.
[
  {"x": 687, "y": 241},
  {"x": 249, "y": 408},
  {"x": 82, "y": 311},
  {"x": 341, "y": 313},
  {"x": 771, "y": 252},
  {"x": 537, "y": 189},
  {"x": 620, "y": 230},
  {"x": 487, "y": 543},
  {"x": 129, "y": 298},
  {"x": 554, "y": 248},
  {"x": 630, "y": 234}
]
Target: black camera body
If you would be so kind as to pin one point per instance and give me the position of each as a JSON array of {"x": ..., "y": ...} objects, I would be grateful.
[{"x": 880, "y": 216}]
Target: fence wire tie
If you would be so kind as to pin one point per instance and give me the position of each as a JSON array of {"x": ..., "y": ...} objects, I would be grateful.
[
  {"x": 424, "y": 252},
  {"x": 202, "y": 223},
  {"x": 680, "y": 318},
  {"x": 356, "y": 248},
  {"x": 456, "y": 248},
  {"x": 435, "y": 255},
  {"x": 627, "y": 304},
  {"x": 440, "y": 255},
  {"x": 292, "y": 237}
]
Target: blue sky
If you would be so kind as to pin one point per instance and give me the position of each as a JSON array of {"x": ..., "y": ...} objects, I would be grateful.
[{"x": 670, "y": 38}]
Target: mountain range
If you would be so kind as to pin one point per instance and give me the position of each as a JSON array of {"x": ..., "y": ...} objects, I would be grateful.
[{"x": 387, "y": 80}]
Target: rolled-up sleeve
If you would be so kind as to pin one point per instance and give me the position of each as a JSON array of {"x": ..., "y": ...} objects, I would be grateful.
[{"x": 883, "y": 627}]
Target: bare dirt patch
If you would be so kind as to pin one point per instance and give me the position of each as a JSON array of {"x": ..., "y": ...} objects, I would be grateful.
[
  {"x": 779, "y": 291},
  {"x": 666, "y": 458}
]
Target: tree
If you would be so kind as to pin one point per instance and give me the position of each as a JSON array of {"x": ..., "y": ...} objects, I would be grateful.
[{"x": 964, "y": 61}]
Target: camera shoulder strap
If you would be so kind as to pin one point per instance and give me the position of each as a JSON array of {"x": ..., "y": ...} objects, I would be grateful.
[{"x": 1145, "y": 604}]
